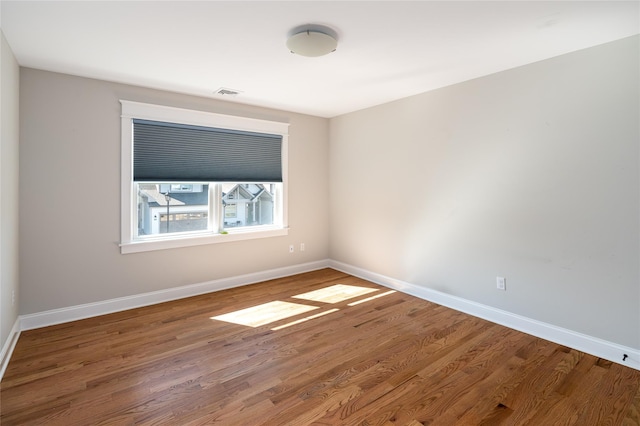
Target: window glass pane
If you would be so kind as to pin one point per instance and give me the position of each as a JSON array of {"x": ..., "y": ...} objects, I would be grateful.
[
  {"x": 248, "y": 204},
  {"x": 172, "y": 207}
]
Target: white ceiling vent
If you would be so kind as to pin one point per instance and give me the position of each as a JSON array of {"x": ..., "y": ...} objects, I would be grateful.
[{"x": 227, "y": 92}]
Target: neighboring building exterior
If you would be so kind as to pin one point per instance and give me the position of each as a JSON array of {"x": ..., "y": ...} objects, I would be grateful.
[{"x": 245, "y": 204}]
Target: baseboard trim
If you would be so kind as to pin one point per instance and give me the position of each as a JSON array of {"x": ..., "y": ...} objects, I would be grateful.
[
  {"x": 9, "y": 346},
  {"x": 74, "y": 313},
  {"x": 581, "y": 342},
  {"x": 588, "y": 344}
]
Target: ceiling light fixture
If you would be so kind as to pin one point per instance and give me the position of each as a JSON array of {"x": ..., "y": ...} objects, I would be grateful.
[{"x": 312, "y": 42}]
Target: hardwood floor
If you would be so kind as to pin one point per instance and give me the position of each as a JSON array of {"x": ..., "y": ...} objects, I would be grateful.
[{"x": 394, "y": 359}]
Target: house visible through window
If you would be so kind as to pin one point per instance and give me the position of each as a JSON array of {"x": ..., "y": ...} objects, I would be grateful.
[
  {"x": 178, "y": 187},
  {"x": 191, "y": 177},
  {"x": 166, "y": 208}
]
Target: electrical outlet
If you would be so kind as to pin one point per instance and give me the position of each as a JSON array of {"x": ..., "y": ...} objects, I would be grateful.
[
  {"x": 291, "y": 248},
  {"x": 501, "y": 283},
  {"x": 301, "y": 246}
]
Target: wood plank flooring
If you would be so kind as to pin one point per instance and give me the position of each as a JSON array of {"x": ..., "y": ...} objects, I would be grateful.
[{"x": 388, "y": 360}]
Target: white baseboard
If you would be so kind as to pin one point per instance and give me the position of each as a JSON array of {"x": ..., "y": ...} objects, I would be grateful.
[
  {"x": 9, "y": 345},
  {"x": 588, "y": 344},
  {"x": 581, "y": 342},
  {"x": 73, "y": 313}
]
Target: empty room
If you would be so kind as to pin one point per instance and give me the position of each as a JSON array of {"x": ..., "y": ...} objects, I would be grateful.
[{"x": 320, "y": 212}]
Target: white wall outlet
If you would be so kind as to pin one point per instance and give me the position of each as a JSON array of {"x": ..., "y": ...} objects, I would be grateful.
[
  {"x": 501, "y": 283},
  {"x": 301, "y": 246},
  {"x": 291, "y": 248}
]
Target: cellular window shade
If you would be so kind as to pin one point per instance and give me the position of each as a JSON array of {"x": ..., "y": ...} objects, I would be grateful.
[{"x": 172, "y": 152}]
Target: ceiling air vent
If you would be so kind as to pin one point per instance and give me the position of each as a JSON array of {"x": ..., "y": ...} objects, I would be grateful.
[{"x": 227, "y": 92}]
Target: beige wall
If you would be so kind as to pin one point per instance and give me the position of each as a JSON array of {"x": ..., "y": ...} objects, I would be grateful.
[
  {"x": 531, "y": 174},
  {"x": 9, "y": 83},
  {"x": 70, "y": 197}
]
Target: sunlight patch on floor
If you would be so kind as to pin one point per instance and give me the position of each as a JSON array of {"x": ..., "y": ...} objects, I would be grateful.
[
  {"x": 357, "y": 302},
  {"x": 335, "y": 293},
  {"x": 265, "y": 313},
  {"x": 304, "y": 319}
]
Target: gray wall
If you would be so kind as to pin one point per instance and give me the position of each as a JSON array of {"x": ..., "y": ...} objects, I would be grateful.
[
  {"x": 531, "y": 174},
  {"x": 9, "y": 98},
  {"x": 70, "y": 197}
]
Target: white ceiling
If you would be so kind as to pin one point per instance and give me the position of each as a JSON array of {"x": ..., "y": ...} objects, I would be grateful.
[{"x": 386, "y": 49}]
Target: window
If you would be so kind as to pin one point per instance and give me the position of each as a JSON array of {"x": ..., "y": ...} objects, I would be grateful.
[
  {"x": 171, "y": 208},
  {"x": 193, "y": 177}
]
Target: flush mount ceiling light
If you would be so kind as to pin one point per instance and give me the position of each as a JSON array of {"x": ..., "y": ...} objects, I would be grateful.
[{"x": 312, "y": 42}]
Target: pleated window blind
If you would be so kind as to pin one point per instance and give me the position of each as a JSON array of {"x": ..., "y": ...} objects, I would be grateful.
[{"x": 171, "y": 152}]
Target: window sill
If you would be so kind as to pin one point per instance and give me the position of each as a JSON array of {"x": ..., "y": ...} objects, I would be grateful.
[{"x": 199, "y": 240}]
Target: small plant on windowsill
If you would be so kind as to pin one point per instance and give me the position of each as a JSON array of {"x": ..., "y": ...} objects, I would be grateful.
[{"x": 223, "y": 232}]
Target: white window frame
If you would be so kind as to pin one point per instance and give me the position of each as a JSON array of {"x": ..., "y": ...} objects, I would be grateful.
[{"x": 137, "y": 110}]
